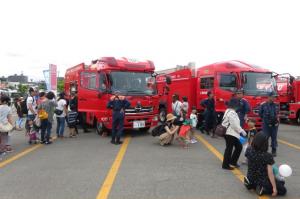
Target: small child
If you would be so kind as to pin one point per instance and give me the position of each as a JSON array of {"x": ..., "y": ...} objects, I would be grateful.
[
  {"x": 33, "y": 129},
  {"x": 194, "y": 121},
  {"x": 251, "y": 133},
  {"x": 184, "y": 107},
  {"x": 72, "y": 119}
]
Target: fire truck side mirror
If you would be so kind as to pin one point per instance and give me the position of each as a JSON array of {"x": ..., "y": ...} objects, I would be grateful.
[{"x": 168, "y": 80}]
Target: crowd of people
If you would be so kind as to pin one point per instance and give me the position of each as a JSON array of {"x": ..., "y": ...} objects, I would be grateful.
[
  {"x": 40, "y": 109},
  {"x": 36, "y": 115},
  {"x": 260, "y": 162}
]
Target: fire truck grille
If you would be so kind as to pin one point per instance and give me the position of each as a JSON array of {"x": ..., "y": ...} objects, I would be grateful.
[{"x": 138, "y": 110}]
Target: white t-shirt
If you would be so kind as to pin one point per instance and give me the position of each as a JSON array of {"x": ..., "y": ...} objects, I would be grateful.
[
  {"x": 185, "y": 106},
  {"x": 60, "y": 106},
  {"x": 32, "y": 101},
  {"x": 176, "y": 107},
  {"x": 5, "y": 111},
  {"x": 194, "y": 120}
]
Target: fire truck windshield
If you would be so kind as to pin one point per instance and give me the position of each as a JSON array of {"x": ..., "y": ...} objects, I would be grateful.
[
  {"x": 258, "y": 84},
  {"x": 133, "y": 83}
]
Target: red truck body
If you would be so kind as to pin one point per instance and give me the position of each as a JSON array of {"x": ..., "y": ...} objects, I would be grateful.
[
  {"x": 289, "y": 97},
  {"x": 96, "y": 83},
  {"x": 222, "y": 79}
]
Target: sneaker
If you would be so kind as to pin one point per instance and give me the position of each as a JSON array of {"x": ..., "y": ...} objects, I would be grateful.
[
  {"x": 274, "y": 154},
  {"x": 247, "y": 183},
  {"x": 235, "y": 165},
  {"x": 49, "y": 142},
  {"x": 228, "y": 168},
  {"x": 193, "y": 141},
  {"x": 259, "y": 190}
]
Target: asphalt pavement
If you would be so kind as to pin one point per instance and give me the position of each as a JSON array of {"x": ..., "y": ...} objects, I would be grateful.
[{"x": 89, "y": 167}]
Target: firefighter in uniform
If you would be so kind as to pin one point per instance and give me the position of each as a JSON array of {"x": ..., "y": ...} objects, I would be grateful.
[
  {"x": 209, "y": 114},
  {"x": 244, "y": 107},
  {"x": 118, "y": 104},
  {"x": 269, "y": 114}
]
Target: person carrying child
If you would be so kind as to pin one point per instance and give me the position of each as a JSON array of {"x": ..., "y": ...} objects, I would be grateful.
[
  {"x": 260, "y": 175},
  {"x": 72, "y": 120}
]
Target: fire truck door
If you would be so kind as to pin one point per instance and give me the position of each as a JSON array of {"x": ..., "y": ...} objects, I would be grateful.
[
  {"x": 91, "y": 95},
  {"x": 205, "y": 84}
]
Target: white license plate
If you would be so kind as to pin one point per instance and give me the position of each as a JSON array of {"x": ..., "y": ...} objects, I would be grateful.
[{"x": 138, "y": 124}]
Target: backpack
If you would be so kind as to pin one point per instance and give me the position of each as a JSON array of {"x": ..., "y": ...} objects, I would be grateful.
[
  {"x": 24, "y": 108},
  {"x": 158, "y": 130}
]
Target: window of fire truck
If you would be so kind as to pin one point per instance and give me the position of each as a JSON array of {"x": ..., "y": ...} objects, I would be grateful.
[
  {"x": 88, "y": 80},
  {"x": 228, "y": 81},
  {"x": 133, "y": 83},
  {"x": 258, "y": 84},
  {"x": 206, "y": 82}
]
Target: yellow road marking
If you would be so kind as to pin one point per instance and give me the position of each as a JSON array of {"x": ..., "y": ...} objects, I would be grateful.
[
  {"x": 289, "y": 144},
  {"x": 21, "y": 154},
  {"x": 110, "y": 178},
  {"x": 236, "y": 172}
]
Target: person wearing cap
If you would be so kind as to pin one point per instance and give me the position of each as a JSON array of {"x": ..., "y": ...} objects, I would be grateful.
[
  {"x": 31, "y": 104},
  {"x": 269, "y": 114},
  {"x": 170, "y": 130},
  {"x": 232, "y": 137},
  {"x": 209, "y": 114},
  {"x": 118, "y": 104},
  {"x": 244, "y": 106},
  {"x": 61, "y": 111}
]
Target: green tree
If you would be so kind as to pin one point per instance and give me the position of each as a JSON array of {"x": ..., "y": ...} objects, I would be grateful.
[
  {"x": 42, "y": 86},
  {"x": 23, "y": 89},
  {"x": 60, "y": 85}
]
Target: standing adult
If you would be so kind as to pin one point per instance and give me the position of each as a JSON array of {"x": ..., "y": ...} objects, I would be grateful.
[
  {"x": 18, "y": 107},
  {"x": 118, "y": 104},
  {"x": 61, "y": 112},
  {"x": 232, "y": 137},
  {"x": 31, "y": 107},
  {"x": 176, "y": 106},
  {"x": 209, "y": 114},
  {"x": 48, "y": 104},
  {"x": 269, "y": 114},
  {"x": 5, "y": 117},
  {"x": 81, "y": 117},
  {"x": 244, "y": 106}
]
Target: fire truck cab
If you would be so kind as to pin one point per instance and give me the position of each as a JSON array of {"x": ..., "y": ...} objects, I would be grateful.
[
  {"x": 223, "y": 79},
  {"x": 96, "y": 83}
]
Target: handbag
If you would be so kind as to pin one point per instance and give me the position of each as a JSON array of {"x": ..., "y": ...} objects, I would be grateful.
[
  {"x": 42, "y": 114},
  {"x": 58, "y": 112},
  {"x": 37, "y": 121},
  {"x": 6, "y": 127},
  {"x": 220, "y": 129}
]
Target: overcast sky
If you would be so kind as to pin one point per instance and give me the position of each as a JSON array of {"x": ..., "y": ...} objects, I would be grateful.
[{"x": 36, "y": 33}]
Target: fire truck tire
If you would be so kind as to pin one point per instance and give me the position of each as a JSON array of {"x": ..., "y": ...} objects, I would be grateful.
[
  {"x": 100, "y": 128},
  {"x": 162, "y": 114},
  {"x": 298, "y": 118}
]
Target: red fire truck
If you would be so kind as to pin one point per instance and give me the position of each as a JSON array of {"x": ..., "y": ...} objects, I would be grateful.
[
  {"x": 289, "y": 97},
  {"x": 223, "y": 79},
  {"x": 96, "y": 83}
]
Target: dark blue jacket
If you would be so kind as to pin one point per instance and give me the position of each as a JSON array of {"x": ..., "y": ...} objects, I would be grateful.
[
  {"x": 268, "y": 112},
  {"x": 208, "y": 104},
  {"x": 117, "y": 105},
  {"x": 244, "y": 108}
]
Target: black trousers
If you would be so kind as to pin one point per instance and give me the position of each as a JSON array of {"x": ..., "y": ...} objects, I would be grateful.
[{"x": 229, "y": 157}]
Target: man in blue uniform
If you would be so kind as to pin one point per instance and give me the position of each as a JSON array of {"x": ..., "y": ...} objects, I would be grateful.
[
  {"x": 209, "y": 114},
  {"x": 118, "y": 104},
  {"x": 269, "y": 114},
  {"x": 244, "y": 107}
]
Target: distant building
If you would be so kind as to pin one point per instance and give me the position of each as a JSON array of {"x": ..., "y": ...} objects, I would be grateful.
[{"x": 22, "y": 79}]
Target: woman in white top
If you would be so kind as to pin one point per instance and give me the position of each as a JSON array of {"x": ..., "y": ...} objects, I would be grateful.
[
  {"x": 60, "y": 113},
  {"x": 5, "y": 117},
  {"x": 232, "y": 137}
]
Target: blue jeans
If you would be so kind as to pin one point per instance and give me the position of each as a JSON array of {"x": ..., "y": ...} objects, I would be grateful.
[
  {"x": 19, "y": 122},
  {"x": 60, "y": 126},
  {"x": 271, "y": 132}
]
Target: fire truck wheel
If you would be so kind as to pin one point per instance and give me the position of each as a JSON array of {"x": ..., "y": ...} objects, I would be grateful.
[
  {"x": 100, "y": 128},
  {"x": 298, "y": 117},
  {"x": 162, "y": 114}
]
